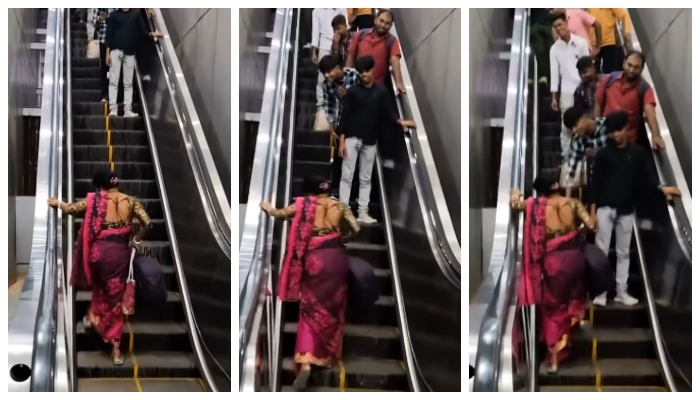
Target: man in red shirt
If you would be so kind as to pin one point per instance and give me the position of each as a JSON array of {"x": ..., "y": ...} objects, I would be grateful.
[
  {"x": 622, "y": 91},
  {"x": 382, "y": 46}
]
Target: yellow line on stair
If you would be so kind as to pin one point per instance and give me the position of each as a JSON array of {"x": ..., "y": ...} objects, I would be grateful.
[
  {"x": 342, "y": 376},
  {"x": 132, "y": 355},
  {"x": 594, "y": 355},
  {"x": 105, "y": 109}
]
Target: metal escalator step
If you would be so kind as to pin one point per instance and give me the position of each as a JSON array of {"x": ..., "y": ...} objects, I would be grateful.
[
  {"x": 360, "y": 373},
  {"x": 635, "y": 343},
  {"x": 375, "y": 341},
  {"x": 128, "y": 170},
  {"x": 618, "y": 316},
  {"x": 613, "y": 372},
  {"x": 151, "y": 364},
  {"x": 118, "y": 137},
  {"x": 148, "y": 336},
  {"x": 146, "y": 385},
  {"x": 81, "y": 62},
  {"x": 140, "y": 189},
  {"x": 86, "y": 72},
  {"x": 100, "y": 121},
  {"x": 97, "y": 107},
  {"x": 335, "y": 389},
  {"x": 119, "y": 153}
]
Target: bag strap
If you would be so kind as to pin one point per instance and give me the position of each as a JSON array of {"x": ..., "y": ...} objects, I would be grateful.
[{"x": 131, "y": 266}]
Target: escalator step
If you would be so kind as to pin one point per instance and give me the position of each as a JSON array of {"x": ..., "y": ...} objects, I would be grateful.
[
  {"x": 148, "y": 336},
  {"x": 138, "y": 188},
  {"x": 151, "y": 364},
  {"x": 99, "y": 121},
  {"x": 124, "y": 170},
  {"x": 360, "y": 373},
  {"x": 613, "y": 372},
  {"x": 143, "y": 385},
  {"x": 118, "y": 137}
]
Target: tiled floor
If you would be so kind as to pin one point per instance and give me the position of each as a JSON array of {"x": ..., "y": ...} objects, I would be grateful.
[{"x": 14, "y": 292}]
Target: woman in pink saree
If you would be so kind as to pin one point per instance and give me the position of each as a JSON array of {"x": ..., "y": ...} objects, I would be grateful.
[
  {"x": 554, "y": 267},
  {"x": 315, "y": 273},
  {"x": 102, "y": 253}
]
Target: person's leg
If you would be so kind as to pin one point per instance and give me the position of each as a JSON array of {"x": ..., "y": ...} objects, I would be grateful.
[
  {"x": 319, "y": 81},
  {"x": 606, "y": 225},
  {"x": 353, "y": 146},
  {"x": 129, "y": 63},
  {"x": 566, "y": 101},
  {"x": 336, "y": 173},
  {"x": 114, "y": 74},
  {"x": 367, "y": 157},
  {"x": 104, "y": 70},
  {"x": 623, "y": 240}
]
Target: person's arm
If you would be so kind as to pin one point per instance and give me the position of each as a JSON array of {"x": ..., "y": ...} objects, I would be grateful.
[
  {"x": 582, "y": 214},
  {"x": 600, "y": 97},
  {"x": 590, "y": 21},
  {"x": 599, "y": 171},
  {"x": 76, "y": 208},
  {"x": 111, "y": 20},
  {"x": 279, "y": 213},
  {"x": 141, "y": 27},
  {"x": 329, "y": 103},
  {"x": 352, "y": 51},
  {"x": 554, "y": 72},
  {"x": 140, "y": 213},
  {"x": 623, "y": 16},
  {"x": 517, "y": 200},
  {"x": 348, "y": 109},
  {"x": 349, "y": 218},
  {"x": 395, "y": 61},
  {"x": 650, "y": 113}
]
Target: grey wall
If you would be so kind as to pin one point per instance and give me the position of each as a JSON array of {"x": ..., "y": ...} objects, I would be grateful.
[
  {"x": 665, "y": 36},
  {"x": 431, "y": 43},
  {"x": 202, "y": 40},
  {"x": 23, "y": 81}
]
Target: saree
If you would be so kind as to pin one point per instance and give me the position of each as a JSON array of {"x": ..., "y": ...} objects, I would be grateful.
[
  {"x": 315, "y": 273},
  {"x": 553, "y": 276},
  {"x": 101, "y": 262}
]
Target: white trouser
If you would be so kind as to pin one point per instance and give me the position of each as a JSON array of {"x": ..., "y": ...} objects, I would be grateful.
[
  {"x": 366, "y": 155},
  {"x": 319, "y": 83},
  {"x": 120, "y": 60},
  {"x": 566, "y": 101},
  {"x": 608, "y": 221}
]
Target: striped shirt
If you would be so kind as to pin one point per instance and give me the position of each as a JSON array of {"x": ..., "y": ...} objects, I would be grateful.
[
  {"x": 579, "y": 144},
  {"x": 101, "y": 26}
]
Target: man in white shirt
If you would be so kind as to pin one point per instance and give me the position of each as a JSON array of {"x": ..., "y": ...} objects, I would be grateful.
[
  {"x": 322, "y": 40},
  {"x": 563, "y": 56}
]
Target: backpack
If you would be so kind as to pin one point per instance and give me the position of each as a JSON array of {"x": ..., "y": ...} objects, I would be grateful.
[
  {"x": 641, "y": 90},
  {"x": 390, "y": 39}
]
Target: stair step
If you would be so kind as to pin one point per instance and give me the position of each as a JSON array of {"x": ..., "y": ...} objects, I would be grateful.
[
  {"x": 360, "y": 373},
  {"x": 151, "y": 364},
  {"x": 613, "y": 372},
  {"x": 144, "y": 385}
]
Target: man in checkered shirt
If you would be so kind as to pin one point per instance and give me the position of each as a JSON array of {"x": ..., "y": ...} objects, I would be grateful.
[
  {"x": 589, "y": 134},
  {"x": 337, "y": 81},
  {"x": 101, "y": 29}
]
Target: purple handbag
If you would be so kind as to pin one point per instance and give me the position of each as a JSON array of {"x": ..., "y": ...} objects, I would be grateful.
[
  {"x": 599, "y": 275},
  {"x": 363, "y": 285},
  {"x": 151, "y": 292}
]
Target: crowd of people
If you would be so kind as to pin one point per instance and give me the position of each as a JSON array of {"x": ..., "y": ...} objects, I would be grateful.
[
  {"x": 122, "y": 35},
  {"x": 596, "y": 84},
  {"x": 353, "y": 50}
]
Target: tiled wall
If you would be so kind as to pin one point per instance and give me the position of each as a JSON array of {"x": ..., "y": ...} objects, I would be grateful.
[
  {"x": 665, "y": 36},
  {"x": 202, "y": 40},
  {"x": 23, "y": 81}
]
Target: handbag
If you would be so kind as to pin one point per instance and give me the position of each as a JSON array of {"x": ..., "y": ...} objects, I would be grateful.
[
  {"x": 599, "y": 276},
  {"x": 151, "y": 291},
  {"x": 321, "y": 122},
  {"x": 129, "y": 299},
  {"x": 363, "y": 285},
  {"x": 93, "y": 49}
]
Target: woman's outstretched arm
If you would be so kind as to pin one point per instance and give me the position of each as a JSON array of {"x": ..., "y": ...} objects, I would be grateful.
[
  {"x": 517, "y": 200},
  {"x": 279, "y": 213},
  {"x": 582, "y": 214},
  {"x": 76, "y": 208}
]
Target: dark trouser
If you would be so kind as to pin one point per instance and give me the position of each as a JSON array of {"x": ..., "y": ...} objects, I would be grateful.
[
  {"x": 363, "y": 22},
  {"x": 391, "y": 134},
  {"x": 336, "y": 172},
  {"x": 540, "y": 42},
  {"x": 104, "y": 69},
  {"x": 609, "y": 59},
  {"x": 142, "y": 53}
]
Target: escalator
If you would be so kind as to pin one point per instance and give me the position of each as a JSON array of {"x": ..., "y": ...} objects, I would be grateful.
[
  {"x": 372, "y": 356},
  {"x": 157, "y": 349},
  {"x": 408, "y": 248},
  {"x": 635, "y": 348}
]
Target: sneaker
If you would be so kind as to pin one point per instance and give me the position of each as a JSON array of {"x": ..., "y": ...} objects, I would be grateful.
[
  {"x": 113, "y": 113},
  {"x": 104, "y": 100},
  {"x": 365, "y": 218},
  {"x": 146, "y": 78},
  {"x": 626, "y": 299},
  {"x": 389, "y": 164},
  {"x": 601, "y": 301},
  {"x": 130, "y": 114}
]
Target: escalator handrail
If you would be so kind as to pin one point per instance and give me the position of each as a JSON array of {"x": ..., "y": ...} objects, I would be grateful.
[
  {"x": 668, "y": 156},
  {"x": 256, "y": 238},
  {"x": 438, "y": 221},
  {"x": 44, "y": 241},
  {"x": 211, "y": 190},
  {"x": 494, "y": 297}
]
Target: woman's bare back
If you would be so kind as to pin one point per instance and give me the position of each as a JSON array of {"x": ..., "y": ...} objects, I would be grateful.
[
  {"x": 329, "y": 214},
  {"x": 560, "y": 214}
]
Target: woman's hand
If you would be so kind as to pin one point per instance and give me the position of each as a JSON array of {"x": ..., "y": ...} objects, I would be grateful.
[
  {"x": 515, "y": 193},
  {"x": 136, "y": 244},
  {"x": 53, "y": 202},
  {"x": 265, "y": 206}
]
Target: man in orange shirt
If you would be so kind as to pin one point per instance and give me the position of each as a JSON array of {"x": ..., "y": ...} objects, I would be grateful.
[
  {"x": 610, "y": 57},
  {"x": 361, "y": 18}
]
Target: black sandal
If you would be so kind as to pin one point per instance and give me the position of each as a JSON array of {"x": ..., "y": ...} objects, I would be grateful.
[{"x": 302, "y": 380}]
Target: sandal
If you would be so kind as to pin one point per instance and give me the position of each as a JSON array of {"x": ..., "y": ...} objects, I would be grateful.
[
  {"x": 118, "y": 361},
  {"x": 302, "y": 380},
  {"x": 86, "y": 322}
]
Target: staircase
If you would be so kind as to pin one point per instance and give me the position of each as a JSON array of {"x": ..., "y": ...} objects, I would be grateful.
[{"x": 156, "y": 344}]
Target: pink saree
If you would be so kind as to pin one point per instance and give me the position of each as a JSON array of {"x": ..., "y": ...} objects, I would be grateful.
[
  {"x": 552, "y": 277},
  {"x": 315, "y": 273},
  {"x": 101, "y": 262}
]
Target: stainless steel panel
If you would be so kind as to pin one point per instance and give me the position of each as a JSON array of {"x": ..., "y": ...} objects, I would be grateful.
[
  {"x": 665, "y": 36},
  {"x": 201, "y": 38},
  {"x": 24, "y": 220}
]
